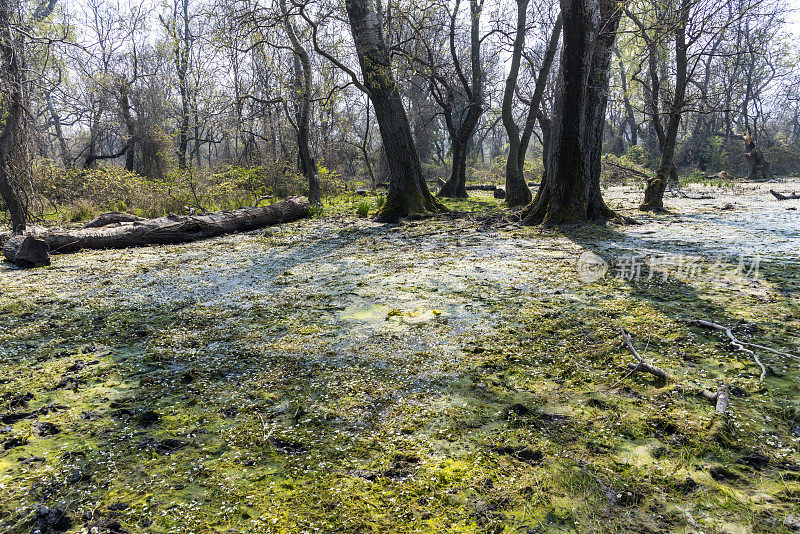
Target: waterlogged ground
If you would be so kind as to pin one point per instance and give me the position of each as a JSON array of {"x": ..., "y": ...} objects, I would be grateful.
[{"x": 445, "y": 375}]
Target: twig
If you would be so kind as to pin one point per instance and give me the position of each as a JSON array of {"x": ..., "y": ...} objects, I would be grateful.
[
  {"x": 741, "y": 345},
  {"x": 644, "y": 366}
]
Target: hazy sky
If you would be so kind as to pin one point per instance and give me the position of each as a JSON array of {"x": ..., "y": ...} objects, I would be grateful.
[{"x": 793, "y": 18}]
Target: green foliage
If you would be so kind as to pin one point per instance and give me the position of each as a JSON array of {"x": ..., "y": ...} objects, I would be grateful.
[
  {"x": 620, "y": 170},
  {"x": 636, "y": 154},
  {"x": 77, "y": 194},
  {"x": 363, "y": 208},
  {"x": 316, "y": 210},
  {"x": 381, "y": 201}
]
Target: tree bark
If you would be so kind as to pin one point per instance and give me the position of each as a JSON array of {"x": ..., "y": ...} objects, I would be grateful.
[
  {"x": 654, "y": 192},
  {"x": 307, "y": 164},
  {"x": 570, "y": 190},
  {"x": 408, "y": 191},
  {"x": 758, "y": 167},
  {"x": 168, "y": 230},
  {"x": 630, "y": 117},
  {"x": 517, "y": 191},
  {"x": 455, "y": 186},
  {"x": 11, "y": 122}
]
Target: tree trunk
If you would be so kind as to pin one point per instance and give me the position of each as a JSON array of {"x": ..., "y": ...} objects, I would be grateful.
[
  {"x": 10, "y": 126},
  {"x": 570, "y": 191},
  {"x": 654, "y": 193},
  {"x": 630, "y": 117},
  {"x": 408, "y": 192},
  {"x": 168, "y": 230},
  {"x": 127, "y": 118},
  {"x": 517, "y": 192},
  {"x": 455, "y": 186},
  {"x": 758, "y": 167},
  {"x": 307, "y": 164}
]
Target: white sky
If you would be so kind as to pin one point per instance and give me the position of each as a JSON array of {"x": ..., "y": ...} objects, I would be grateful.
[{"x": 793, "y": 17}]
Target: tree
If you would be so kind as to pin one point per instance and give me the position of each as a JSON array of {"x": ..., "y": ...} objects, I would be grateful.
[
  {"x": 570, "y": 190},
  {"x": 303, "y": 75},
  {"x": 461, "y": 125},
  {"x": 517, "y": 191},
  {"x": 11, "y": 132},
  {"x": 408, "y": 191},
  {"x": 667, "y": 136}
]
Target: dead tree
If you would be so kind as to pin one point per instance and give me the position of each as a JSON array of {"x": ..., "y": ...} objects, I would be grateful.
[{"x": 168, "y": 230}]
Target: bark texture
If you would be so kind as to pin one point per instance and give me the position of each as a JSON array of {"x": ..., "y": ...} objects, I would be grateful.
[
  {"x": 570, "y": 190},
  {"x": 462, "y": 130},
  {"x": 757, "y": 167},
  {"x": 11, "y": 120},
  {"x": 654, "y": 192},
  {"x": 408, "y": 192},
  {"x": 168, "y": 230}
]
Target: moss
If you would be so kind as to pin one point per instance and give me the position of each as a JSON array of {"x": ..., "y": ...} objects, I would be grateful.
[{"x": 446, "y": 375}]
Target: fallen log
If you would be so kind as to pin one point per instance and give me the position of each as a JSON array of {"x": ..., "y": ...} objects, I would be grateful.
[
  {"x": 481, "y": 187},
  {"x": 112, "y": 217},
  {"x": 168, "y": 230},
  {"x": 785, "y": 196}
]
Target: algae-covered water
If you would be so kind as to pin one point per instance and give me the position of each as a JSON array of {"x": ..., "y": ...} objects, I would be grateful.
[{"x": 446, "y": 375}]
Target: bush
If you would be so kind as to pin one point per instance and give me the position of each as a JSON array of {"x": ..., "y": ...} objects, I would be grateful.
[
  {"x": 363, "y": 208},
  {"x": 316, "y": 210}
]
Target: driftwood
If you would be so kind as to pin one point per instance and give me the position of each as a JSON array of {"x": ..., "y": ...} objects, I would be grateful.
[
  {"x": 785, "y": 196},
  {"x": 164, "y": 230},
  {"x": 112, "y": 217}
]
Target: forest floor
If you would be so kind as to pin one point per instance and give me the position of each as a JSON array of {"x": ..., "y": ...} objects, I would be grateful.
[{"x": 454, "y": 374}]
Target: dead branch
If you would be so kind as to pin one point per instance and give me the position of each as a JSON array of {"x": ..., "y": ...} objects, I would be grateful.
[
  {"x": 720, "y": 399},
  {"x": 742, "y": 345},
  {"x": 785, "y": 196}
]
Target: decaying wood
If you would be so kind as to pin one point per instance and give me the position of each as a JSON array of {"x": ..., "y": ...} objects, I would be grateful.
[
  {"x": 785, "y": 196},
  {"x": 112, "y": 217},
  {"x": 481, "y": 187},
  {"x": 164, "y": 230},
  {"x": 704, "y": 196}
]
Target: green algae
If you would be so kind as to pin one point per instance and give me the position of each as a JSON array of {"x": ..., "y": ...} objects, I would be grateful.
[{"x": 448, "y": 375}]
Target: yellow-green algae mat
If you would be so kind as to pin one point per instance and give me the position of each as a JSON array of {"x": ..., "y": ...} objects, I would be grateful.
[{"x": 447, "y": 375}]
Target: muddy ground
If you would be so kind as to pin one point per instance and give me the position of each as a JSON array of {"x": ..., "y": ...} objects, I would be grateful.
[{"x": 458, "y": 374}]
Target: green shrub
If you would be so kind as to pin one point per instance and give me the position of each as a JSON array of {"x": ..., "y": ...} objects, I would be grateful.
[
  {"x": 363, "y": 208},
  {"x": 79, "y": 213},
  {"x": 316, "y": 210}
]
